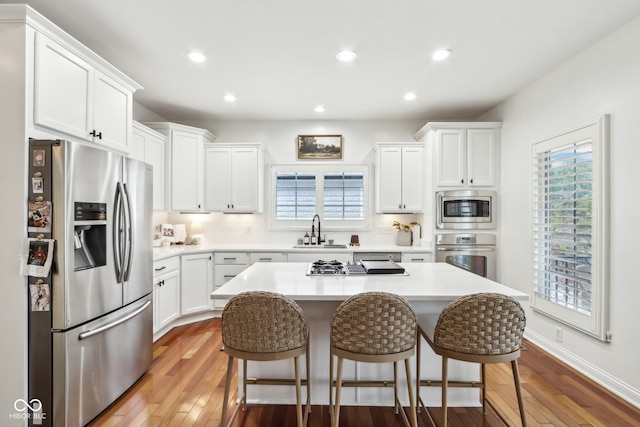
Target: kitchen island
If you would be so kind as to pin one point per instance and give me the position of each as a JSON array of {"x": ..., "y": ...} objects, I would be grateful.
[{"x": 429, "y": 287}]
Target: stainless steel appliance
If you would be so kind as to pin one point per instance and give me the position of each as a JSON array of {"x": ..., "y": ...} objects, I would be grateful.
[
  {"x": 473, "y": 252},
  {"x": 465, "y": 209},
  {"x": 96, "y": 339}
]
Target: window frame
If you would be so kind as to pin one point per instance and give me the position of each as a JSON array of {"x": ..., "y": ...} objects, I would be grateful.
[
  {"x": 596, "y": 323},
  {"x": 319, "y": 169}
]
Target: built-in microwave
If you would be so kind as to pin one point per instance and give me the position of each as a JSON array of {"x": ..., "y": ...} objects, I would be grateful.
[{"x": 465, "y": 209}]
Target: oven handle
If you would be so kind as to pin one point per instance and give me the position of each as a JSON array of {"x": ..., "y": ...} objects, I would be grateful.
[{"x": 468, "y": 249}]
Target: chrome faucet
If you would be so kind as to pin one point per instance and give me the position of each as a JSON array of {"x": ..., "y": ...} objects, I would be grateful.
[{"x": 320, "y": 240}]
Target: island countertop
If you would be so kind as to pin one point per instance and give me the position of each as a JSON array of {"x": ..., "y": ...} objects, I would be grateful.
[{"x": 424, "y": 282}]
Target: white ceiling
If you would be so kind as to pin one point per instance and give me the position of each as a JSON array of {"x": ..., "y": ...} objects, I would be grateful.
[{"x": 278, "y": 57}]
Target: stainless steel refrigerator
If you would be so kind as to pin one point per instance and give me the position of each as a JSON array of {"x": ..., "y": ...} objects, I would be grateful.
[{"x": 96, "y": 338}]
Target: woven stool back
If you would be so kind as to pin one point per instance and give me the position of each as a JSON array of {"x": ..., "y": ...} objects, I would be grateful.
[
  {"x": 263, "y": 322},
  {"x": 374, "y": 323},
  {"x": 481, "y": 324}
]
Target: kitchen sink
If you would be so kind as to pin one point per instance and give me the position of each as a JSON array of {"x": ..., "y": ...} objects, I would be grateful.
[{"x": 320, "y": 246}]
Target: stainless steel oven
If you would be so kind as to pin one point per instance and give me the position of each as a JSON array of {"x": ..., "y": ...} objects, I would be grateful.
[
  {"x": 473, "y": 252},
  {"x": 465, "y": 209}
]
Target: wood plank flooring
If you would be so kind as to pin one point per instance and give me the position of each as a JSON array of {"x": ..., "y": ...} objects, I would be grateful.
[{"x": 185, "y": 387}]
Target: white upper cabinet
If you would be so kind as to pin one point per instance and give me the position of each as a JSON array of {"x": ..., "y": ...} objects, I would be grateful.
[
  {"x": 234, "y": 179},
  {"x": 465, "y": 153},
  {"x": 400, "y": 178},
  {"x": 184, "y": 165},
  {"x": 148, "y": 146},
  {"x": 74, "y": 97}
]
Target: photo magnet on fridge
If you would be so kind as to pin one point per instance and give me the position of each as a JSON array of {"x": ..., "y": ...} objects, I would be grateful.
[
  {"x": 40, "y": 296},
  {"x": 39, "y": 217},
  {"x": 39, "y": 257}
]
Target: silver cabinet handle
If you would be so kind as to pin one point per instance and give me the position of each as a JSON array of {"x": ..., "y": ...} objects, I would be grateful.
[
  {"x": 113, "y": 324},
  {"x": 161, "y": 268},
  {"x": 265, "y": 259},
  {"x": 229, "y": 276}
]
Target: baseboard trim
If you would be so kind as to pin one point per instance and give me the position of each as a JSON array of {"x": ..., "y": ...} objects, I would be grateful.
[{"x": 615, "y": 385}]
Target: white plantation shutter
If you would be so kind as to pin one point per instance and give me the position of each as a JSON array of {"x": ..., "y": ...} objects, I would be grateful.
[
  {"x": 295, "y": 196},
  {"x": 569, "y": 230},
  {"x": 343, "y": 196}
]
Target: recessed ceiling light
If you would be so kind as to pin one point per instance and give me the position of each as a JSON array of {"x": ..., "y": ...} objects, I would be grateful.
[
  {"x": 197, "y": 57},
  {"x": 229, "y": 98},
  {"x": 410, "y": 96},
  {"x": 346, "y": 56},
  {"x": 319, "y": 109},
  {"x": 441, "y": 54}
]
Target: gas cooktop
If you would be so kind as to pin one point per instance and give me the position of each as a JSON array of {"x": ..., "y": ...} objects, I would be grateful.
[
  {"x": 334, "y": 268},
  {"x": 338, "y": 268}
]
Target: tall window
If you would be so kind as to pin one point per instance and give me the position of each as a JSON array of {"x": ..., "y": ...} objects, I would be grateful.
[
  {"x": 570, "y": 227},
  {"x": 338, "y": 194}
]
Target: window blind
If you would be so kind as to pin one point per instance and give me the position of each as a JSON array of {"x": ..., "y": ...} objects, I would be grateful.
[
  {"x": 563, "y": 225},
  {"x": 343, "y": 196},
  {"x": 295, "y": 196}
]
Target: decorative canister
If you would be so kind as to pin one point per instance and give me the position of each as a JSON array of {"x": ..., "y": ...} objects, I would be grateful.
[{"x": 404, "y": 238}]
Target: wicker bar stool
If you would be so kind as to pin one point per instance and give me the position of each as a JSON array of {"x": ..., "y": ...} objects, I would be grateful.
[
  {"x": 481, "y": 328},
  {"x": 374, "y": 327},
  {"x": 265, "y": 326}
]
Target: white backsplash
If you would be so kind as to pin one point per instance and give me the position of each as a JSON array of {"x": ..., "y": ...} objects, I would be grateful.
[{"x": 218, "y": 228}]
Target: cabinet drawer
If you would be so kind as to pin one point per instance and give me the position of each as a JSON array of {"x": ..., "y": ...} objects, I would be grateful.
[
  {"x": 231, "y": 258},
  {"x": 166, "y": 265},
  {"x": 267, "y": 257},
  {"x": 417, "y": 257}
]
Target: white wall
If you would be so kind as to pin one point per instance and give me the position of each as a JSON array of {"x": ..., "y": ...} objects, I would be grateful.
[
  {"x": 279, "y": 139},
  {"x": 13, "y": 166},
  {"x": 604, "y": 79}
]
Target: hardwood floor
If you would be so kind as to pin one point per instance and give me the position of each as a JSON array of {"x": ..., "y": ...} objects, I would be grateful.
[{"x": 185, "y": 386}]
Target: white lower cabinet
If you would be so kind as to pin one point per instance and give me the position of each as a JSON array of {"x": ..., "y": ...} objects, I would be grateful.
[
  {"x": 197, "y": 283},
  {"x": 227, "y": 266},
  {"x": 166, "y": 292}
]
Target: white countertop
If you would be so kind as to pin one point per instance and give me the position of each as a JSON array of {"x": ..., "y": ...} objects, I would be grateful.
[
  {"x": 169, "y": 251},
  {"x": 425, "y": 282}
]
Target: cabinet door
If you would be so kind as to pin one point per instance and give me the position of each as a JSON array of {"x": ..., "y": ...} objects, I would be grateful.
[
  {"x": 138, "y": 145},
  {"x": 197, "y": 283},
  {"x": 218, "y": 179},
  {"x": 412, "y": 179},
  {"x": 480, "y": 157},
  {"x": 244, "y": 179},
  {"x": 186, "y": 180},
  {"x": 112, "y": 113},
  {"x": 451, "y": 158},
  {"x": 390, "y": 179},
  {"x": 154, "y": 155},
  {"x": 166, "y": 298},
  {"x": 63, "y": 89}
]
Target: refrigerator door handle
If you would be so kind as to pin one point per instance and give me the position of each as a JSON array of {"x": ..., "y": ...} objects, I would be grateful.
[
  {"x": 96, "y": 331},
  {"x": 128, "y": 244},
  {"x": 118, "y": 233}
]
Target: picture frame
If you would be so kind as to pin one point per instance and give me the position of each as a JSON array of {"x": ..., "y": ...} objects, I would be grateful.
[{"x": 319, "y": 147}]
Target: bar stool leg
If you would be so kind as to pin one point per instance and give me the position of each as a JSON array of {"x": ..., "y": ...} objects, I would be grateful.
[
  {"x": 336, "y": 422},
  {"x": 244, "y": 385},
  {"x": 483, "y": 373},
  {"x": 516, "y": 378},
  {"x": 418, "y": 345},
  {"x": 225, "y": 402},
  {"x": 296, "y": 365},
  {"x": 445, "y": 366},
  {"x": 412, "y": 406},
  {"x": 396, "y": 405}
]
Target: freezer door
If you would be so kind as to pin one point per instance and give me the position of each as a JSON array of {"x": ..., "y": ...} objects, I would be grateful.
[
  {"x": 84, "y": 180},
  {"x": 138, "y": 259},
  {"x": 95, "y": 363}
]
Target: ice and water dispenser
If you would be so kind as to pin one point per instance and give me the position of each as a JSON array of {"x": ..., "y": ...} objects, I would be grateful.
[{"x": 90, "y": 235}]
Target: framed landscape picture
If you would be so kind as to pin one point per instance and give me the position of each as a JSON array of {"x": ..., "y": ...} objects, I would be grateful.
[{"x": 319, "y": 147}]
